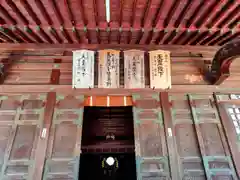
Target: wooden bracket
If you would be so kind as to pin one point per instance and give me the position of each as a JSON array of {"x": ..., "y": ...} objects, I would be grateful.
[{"x": 220, "y": 69}]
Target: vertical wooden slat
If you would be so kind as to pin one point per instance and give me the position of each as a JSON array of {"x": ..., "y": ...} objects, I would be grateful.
[
  {"x": 42, "y": 142},
  {"x": 168, "y": 126},
  {"x": 230, "y": 134},
  {"x": 198, "y": 132}
]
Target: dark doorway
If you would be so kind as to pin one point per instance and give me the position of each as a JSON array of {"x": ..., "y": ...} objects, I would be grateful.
[{"x": 107, "y": 132}]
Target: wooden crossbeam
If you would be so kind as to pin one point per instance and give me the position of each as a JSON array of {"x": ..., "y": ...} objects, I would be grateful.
[
  {"x": 69, "y": 47},
  {"x": 67, "y": 89}
]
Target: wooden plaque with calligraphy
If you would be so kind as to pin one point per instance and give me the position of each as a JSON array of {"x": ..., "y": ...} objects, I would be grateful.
[
  {"x": 108, "y": 69},
  {"x": 83, "y": 69},
  {"x": 134, "y": 69},
  {"x": 160, "y": 69}
]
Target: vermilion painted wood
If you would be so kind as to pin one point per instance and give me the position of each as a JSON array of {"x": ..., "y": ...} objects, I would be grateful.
[
  {"x": 113, "y": 101},
  {"x": 55, "y": 76},
  {"x": 194, "y": 15}
]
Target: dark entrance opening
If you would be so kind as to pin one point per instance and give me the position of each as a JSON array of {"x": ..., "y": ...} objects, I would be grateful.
[{"x": 107, "y": 134}]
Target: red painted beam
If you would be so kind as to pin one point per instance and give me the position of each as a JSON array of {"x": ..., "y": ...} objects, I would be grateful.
[
  {"x": 7, "y": 17},
  {"x": 28, "y": 12},
  {"x": 166, "y": 5},
  {"x": 115, "y": 13},
  {"x": 41, "y": 12},
  {"x": 89, "y": 13},
  {"x": 17, "y": 11},
  {"x": 140, "y": 7},
  {"x": 224, "y": 20},
  {"x": 172, "y": 14},
  {"x": 56, "y": 11},
  {"x": 221, "y": 14},
  {"x": 207, "y": 15},
  {"x": 151, "y": 13}
]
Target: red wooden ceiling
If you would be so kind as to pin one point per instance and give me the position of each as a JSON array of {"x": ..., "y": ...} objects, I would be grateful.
[{"x": 204, "y": 22}]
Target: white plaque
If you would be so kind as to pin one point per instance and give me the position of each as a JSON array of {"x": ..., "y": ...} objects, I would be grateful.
[
  {"x": 160, "y": 69},
  {"x": 83, "y": 69},
  {"x": 134, "y": 76},
  {"x": 108, "y": 69}
]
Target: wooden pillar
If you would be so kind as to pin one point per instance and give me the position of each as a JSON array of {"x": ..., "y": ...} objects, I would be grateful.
[
  {"x": 44, "y": 135},
  {"x": 170, "y": 134}
]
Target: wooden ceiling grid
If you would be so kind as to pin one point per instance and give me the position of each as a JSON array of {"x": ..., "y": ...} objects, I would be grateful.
[{"x": 185, "y": 22}]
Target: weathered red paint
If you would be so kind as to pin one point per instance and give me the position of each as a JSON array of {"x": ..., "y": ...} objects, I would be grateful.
[{"x": 189, "y": 16}]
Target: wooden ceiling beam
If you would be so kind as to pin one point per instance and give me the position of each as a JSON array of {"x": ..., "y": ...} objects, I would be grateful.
[
  {"x": 221, "y": 14},
  {"x": 229, "y": 38},
  {"x": 71, "y": 47},
  {"x": 43, "y": 11},
  {"x": 17, "y": 11},
  {"x": 127, "y": 31},
  {"x": 7, "y": 17},
  {"x": 57, "y": 12}
]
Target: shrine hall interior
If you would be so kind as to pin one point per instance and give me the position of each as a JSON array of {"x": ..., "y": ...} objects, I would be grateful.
[{"x": 119, "y": 89}]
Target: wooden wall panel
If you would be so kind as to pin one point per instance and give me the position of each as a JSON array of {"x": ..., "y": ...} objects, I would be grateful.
[
  {"x": 64, "y": 145},
  {"x": 201, "y": 144},
  {"x": 188, "y": 153},
  {"x": 228, "y": 107},
  {"x": 212, "y": 142},
  {"x": 150, "y": 140},
  {"x": 21, "y": 118},
  {"x": 177, "y": 136}
]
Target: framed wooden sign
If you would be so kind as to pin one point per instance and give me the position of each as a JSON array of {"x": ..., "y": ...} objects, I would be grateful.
[
  {"x": 83, "y": 69},
  {"x": 134, "y": 76},
  {"x": 160, "y": 69},
  {"x": 108, "y": 69}
]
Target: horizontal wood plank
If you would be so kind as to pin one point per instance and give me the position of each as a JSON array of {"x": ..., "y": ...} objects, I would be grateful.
[
  {"x": 203, "y": 89},
  {"x": 71, "y": 47}
]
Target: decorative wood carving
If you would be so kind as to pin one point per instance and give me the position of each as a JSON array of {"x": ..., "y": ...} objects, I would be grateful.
[{"x": 222, "y": 60}]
